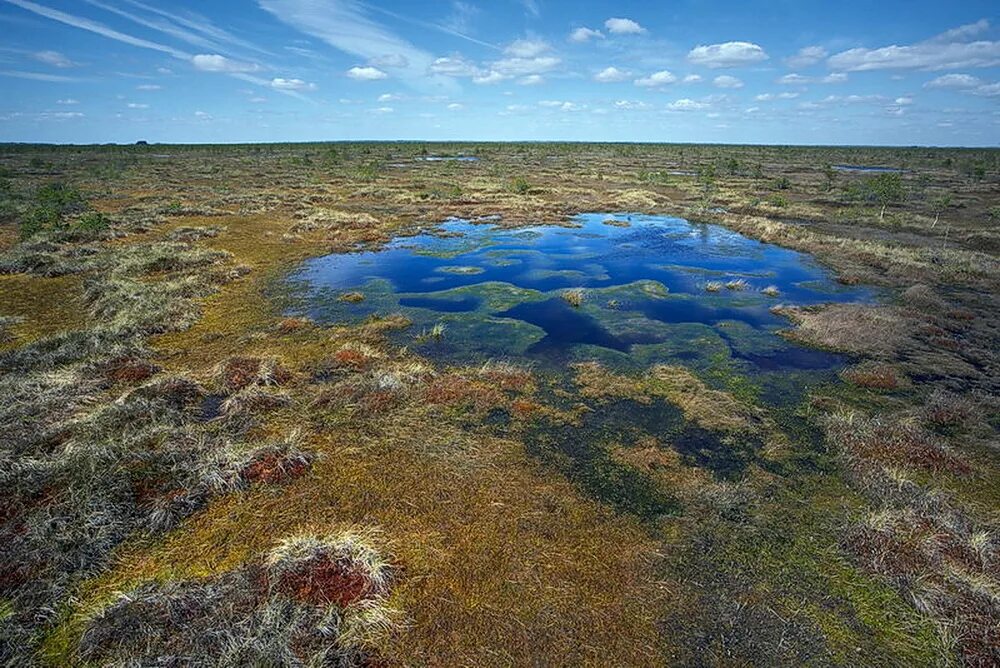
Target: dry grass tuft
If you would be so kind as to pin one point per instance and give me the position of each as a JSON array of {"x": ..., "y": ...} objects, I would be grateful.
[
  {"x": 866, "y": 441},
  {"x": 874, "y": 376}
]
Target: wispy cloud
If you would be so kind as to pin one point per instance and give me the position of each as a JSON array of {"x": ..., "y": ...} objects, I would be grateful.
[
  {"x": 97, "y": 28},
  {"x": 949, "y": 50},
  {"x": 40, "y": 76},
  {"x": 344, "y": 25}
]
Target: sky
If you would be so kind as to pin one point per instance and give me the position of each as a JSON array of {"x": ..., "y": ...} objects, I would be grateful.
[{"x": 891, "y": 72}]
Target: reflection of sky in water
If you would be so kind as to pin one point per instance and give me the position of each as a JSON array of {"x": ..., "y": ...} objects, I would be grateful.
[{"x": 681, "y": 256}]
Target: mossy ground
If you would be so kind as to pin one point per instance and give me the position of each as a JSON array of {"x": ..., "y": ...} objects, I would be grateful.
[{"x": 515, "y": 547}]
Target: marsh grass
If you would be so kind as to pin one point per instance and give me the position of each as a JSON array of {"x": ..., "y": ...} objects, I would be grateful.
[{"x": 318, "y": 600}]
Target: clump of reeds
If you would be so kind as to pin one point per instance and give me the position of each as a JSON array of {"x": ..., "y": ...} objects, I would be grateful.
[{"x": 574, "y": 297}]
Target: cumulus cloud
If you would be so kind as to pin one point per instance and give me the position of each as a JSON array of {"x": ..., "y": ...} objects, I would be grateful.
[
  {"x": 767, "y": 97},
  {"x": 487, "y": 78},
  {"x": 686, "y": 104},
  {"x": 366, "y": 73},
  {"x": 291, "y": 84},
  {"x": 948, "y": 50},
  {"x": 527, "y": 48},
  {"x": 657, "y": 79},
  {"x": 728, "y": 54},
  {"x": 692, "y": 78},
  {"x": 726, "y": 81},
  {"x": 621, "y": 26},
  {"x": 631, "y": 105},
  {"x": 794, "y": 79},
  {"x": 806, "y": 56},
  {"x": 581, "y": 35},
  {"x": 611, "y": 75},
  {"x": 213, "y": 62}
]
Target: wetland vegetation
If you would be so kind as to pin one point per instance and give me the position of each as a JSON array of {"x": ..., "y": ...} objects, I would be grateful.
[{"x": 499, "y": 404}]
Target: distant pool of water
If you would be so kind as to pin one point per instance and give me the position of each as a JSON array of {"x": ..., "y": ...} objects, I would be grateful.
[
  {"x": 864, "y": 168},
  {"x": 653, "y": 288}
]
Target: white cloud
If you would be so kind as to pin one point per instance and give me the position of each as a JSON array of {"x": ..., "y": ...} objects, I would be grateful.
[
  {"x": 455, "y": 106},
  {"x": 692, "y": 78},
  {"x": 656, "y": 79},
  {"x": 806, "y": 56},
  {"x": 965, "y": 83},
  {"x": 488, "y": 78},
  {"x": 531, "y": 80},
  {"x": 954, "y": 81},
  {"x": 213, "y": 62},
  {"x": 527, "y": 48},
  {"x": 728, "y": 54},
  {"x": 455, "y": 66},
  {"x": 581, "y": 35},
  {"x": 366, "y": 73},
  {"x": 611, "y": 75},
  {"x": 291, "y": 84},
  {"x": 631, "y": 105},
  {"x": 794, "y": 79},
  {"x": 963, "y": 33},
  {"x": 136, "y": 105},
  {"x": 834, "y": 78},
  {"x": 945, "y": 51},
  {"x": 726, "y": 81},
  {"x": 904, "y": 101},
  {"x": 686, "y": 104},
  {"x": 346, "y": 26},
  {"x": 68, "y": 101},
  {"x": 389, "y": 97},
  {"x": 53, "y": 58},
  {"x": 987, "y": 90},
  {"x": 384, "y": 110},
  {"x": 517, "y": 66},
  {"x": 621, "y": 26},
  {"x": 149, "y": 87},
  {"x": 562, "y": 106},
  {"x": 96, "y": 28}
]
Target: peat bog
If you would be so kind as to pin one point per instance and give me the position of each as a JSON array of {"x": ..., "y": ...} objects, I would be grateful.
[{"x": 406, "y": 404}]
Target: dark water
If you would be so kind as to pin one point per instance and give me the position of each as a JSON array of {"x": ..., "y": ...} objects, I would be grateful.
[{"x": 500, "y": 292}]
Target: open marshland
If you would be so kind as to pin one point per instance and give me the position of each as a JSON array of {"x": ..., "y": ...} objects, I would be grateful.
[{"x": 499, "y": 404}]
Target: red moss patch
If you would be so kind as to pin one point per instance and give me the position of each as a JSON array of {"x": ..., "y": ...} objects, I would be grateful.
[
  {"x": 351, "y": 359},
  {"x": 292, "y": 325},
  {"x": 523, "y": 409},
  {"x": 129, "y": 370},
  {"x": 326, "y": 581},
  {"x": 240, "y": 372},
  {"x": 453, "y": 390},
  {"x": 272, "y": 469}
]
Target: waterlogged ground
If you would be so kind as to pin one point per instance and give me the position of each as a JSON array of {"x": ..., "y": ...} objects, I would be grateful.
[{"x": 651, "y": 289}]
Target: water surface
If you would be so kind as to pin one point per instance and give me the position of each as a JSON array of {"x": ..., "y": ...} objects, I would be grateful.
[{"x": 653, "y": 287}]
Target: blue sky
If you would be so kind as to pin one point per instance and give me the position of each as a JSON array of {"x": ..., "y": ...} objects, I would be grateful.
[{"x": 780, "y": 71}]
